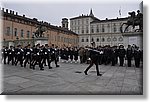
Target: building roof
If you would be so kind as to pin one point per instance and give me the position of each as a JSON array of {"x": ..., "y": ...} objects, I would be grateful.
[
  {"x": 109, "y": 20},
  {"x": 34, "y": 21},
  {"x": 84, "y": 16}
]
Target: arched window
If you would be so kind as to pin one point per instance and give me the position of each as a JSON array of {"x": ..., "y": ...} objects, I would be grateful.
[
  {"x": 15, "y": 31},
  {"x": 28, "y": 34},
  {"x": 97, "y": 39},
  {"x": 87, "y": 40},
  {"x": 92, "y": 40},
  {"x": 103, "y": 39},
  {"x": 82, "y": 40},
  {"x": 22, "y": 33}
]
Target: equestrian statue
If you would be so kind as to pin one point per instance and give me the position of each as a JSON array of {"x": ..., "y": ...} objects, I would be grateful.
[
  {"x": 40, "y": 30},
  {"x": 134, "y": 20}
]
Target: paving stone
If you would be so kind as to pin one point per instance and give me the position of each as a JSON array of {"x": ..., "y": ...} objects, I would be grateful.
[
  {"x": 29, "y": 84},
  {"x": 15, "y": 80},
  {"x": 65, "y": 80}
]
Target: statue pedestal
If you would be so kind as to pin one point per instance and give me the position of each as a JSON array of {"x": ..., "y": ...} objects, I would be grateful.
[
  {"x": 41, "y": 40},
  {"x": 133, "y": 38}
]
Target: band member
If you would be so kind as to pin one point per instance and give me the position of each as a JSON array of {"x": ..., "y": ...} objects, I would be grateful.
[
  {"x": 75, "y": 54},
  {"x": 94, "y": 55},
  {"x": 5, "y": 54},
  {"x": 27, "y": 54},
  {"x": 129, "y": 55},
  {"x": 137, "y": 56},
  {"x": 11, "y": 54},
  {"x": 121, "y": 54},
  {"x": 54, "y": 55},
  {"x": 37, "y": 56},
  {"x": 46, "y": 57},
  {"x": 19, "y": 55}
]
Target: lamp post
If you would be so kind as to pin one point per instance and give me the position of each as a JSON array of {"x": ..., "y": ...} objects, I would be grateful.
[{"x": 33, "y": 39}]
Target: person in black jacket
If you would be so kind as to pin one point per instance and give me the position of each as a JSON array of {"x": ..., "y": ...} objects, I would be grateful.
[
  {"x": 11, "y": 54},
  {"x": 129, "y": 55},
  {"x": 75, "y": 54},
  {"x": 121, "y": 54},
  {"x": 19, "y": 55},
  {"x": 37, "y": 57},
  {"x": 5, "y": 54},
  {"x": 46, "y": 57},
  {"x": 27, "y": 54},
  {"x": 94, "y": 55},
  {"x": 137, "y": 56},
  {"x": 113, "y": 56},
  {"x": 54, "y": 55}
]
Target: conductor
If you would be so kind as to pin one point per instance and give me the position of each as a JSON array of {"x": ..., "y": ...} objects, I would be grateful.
[{"x": 94, "y": 55}]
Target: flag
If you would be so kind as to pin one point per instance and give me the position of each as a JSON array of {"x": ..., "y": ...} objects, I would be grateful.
[{"x": 120, "y": 11}]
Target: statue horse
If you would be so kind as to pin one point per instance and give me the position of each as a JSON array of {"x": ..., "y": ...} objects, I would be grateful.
[
  {"x": 133, "y": 21},
  {"x": 40, "y": 30}
]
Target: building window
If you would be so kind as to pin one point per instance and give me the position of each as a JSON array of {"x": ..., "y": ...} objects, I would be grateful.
[
  {"x": 97, "y": 29},
  {"x": 62, "y": 39},
  {"x": 115, "y": 28},
  {"x": 15, "y": 31},
  {"x": 58, "y": 38},
  {"x": 108, "y": 27},
  {"x": 103, "y": 30},
  {"x": 82, "y": 40},
  {"x": 22, "y": 33},
  {"x": 92, "y": 29},
  {"x": 87, "y": 21},
  {"x": 103, "y": 39},
  {"x": 87, "y": 29},
  {"x": 82, "y": 31},
  {"x": 28, "y": 34},
  {"x": 87, "y": 40},
  {"x": 120, "y": 39},
  {"x": 97, "y": 39},
  {"x": 8, "y": 31},
  {"x": 92, "y": 40},
  {"x": 78, "y": 22},
  {"x": 114, "y": 39},
  {"x": 108, "y": 39}
]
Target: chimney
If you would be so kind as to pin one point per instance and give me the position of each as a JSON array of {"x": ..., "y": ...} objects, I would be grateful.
[
  {"x": 3, "y": 9},
  {"x": 10, "y": 11},
  {"x": 23, "y": 15},
  {"x": 16, "y": 13},
  {"x": 13, "y": 12},
  {"x": 6, "y": 10}
]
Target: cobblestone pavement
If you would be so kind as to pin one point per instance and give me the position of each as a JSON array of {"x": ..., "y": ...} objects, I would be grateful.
[{"x": 70, "y": 79}]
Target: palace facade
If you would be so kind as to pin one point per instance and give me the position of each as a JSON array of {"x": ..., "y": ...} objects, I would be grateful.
[
  {"x": 19, "y": 29},
  {"x": 103, "y": 32}
]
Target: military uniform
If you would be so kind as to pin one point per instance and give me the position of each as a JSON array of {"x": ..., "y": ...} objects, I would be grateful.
[
  {"x": 19, "y": 55},
  {"x": 94, "y": 55},
  {"x": 54, "y": 55},
  {"x": 129, "y": 55},
  {"x": 27, "y": 54},
  {"x": 46, "y": 57},
  {"x": 121, "y": 53},
  {"x": 11, "y": 54},
  {"x": 137, "y": 56},
  {"x": 37, "y": 58}
]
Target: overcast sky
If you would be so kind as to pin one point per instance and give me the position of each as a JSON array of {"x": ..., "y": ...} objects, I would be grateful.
[{"x": 53, "y": 12}]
